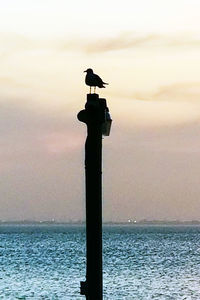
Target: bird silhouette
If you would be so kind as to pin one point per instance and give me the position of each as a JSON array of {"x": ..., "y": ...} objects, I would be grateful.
[{"x": 94, "y": 80}]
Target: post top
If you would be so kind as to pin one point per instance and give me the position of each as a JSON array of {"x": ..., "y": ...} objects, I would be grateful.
[{"x": 92, "y": 97}]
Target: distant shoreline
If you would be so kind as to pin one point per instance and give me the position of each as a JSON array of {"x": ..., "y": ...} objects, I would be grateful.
[{"x": 142, "y": 222}]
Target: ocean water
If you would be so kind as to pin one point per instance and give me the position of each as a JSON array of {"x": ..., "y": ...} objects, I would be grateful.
[{"x": 140, "y": 262}]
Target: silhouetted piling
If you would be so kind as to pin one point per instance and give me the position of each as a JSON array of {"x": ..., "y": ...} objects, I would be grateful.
[{"x": 98, "y": 122}]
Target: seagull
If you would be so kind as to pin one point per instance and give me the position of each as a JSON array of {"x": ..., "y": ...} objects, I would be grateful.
[{"x": 94, "y": 80}]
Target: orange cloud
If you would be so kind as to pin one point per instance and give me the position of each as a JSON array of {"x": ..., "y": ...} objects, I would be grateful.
[{"x": 59, "y": 143}]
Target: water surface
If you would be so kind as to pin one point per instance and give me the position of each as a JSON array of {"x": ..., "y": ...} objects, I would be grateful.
[{"x": 140, "y": 262}]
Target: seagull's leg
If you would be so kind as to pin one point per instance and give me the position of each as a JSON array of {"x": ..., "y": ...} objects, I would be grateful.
[
  {"x": 94, "y": 89},
  {"x": 90, "y": 89}
]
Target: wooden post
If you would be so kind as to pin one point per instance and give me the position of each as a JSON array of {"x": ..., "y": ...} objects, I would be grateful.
[{"x": 94, "y": 116}]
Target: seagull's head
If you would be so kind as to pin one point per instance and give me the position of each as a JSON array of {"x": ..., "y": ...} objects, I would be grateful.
[{"x": 89, "y": 71}]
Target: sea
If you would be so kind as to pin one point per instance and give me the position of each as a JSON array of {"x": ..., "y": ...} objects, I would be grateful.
[{"x": 140, "y": 261}]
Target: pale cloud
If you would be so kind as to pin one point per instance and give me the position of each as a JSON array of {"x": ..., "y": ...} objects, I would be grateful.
[
  {"x": 15, "y": 43},
  {"x": 131, "y": 40},
  {"x": 168, "y": 106},
  {"x": 12, "y": 42},
  {"x": 186, "y": 91},
  {"x": 182, "y": 91},
  {"x": 122, "y": 41}
]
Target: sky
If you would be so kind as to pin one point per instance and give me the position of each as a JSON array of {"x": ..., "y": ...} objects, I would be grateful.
[{"x": 148, "y": 51}]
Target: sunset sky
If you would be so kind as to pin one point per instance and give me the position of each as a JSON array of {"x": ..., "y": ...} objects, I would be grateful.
[{"x": 149, "y": 52}]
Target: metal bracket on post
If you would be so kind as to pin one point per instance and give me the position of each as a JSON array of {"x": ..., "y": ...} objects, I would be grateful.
[
  {"x": 96, "y": 117},
  {"x": 83, "y": 288}
]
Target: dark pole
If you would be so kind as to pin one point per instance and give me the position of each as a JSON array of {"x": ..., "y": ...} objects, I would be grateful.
[{"x": 94, "y": 115}]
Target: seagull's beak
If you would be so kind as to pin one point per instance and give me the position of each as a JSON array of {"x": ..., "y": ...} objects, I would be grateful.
[{"x": 85, "y": 71}]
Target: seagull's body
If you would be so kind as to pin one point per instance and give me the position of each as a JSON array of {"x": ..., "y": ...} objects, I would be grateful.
[{"x": 94, "y": 80}]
